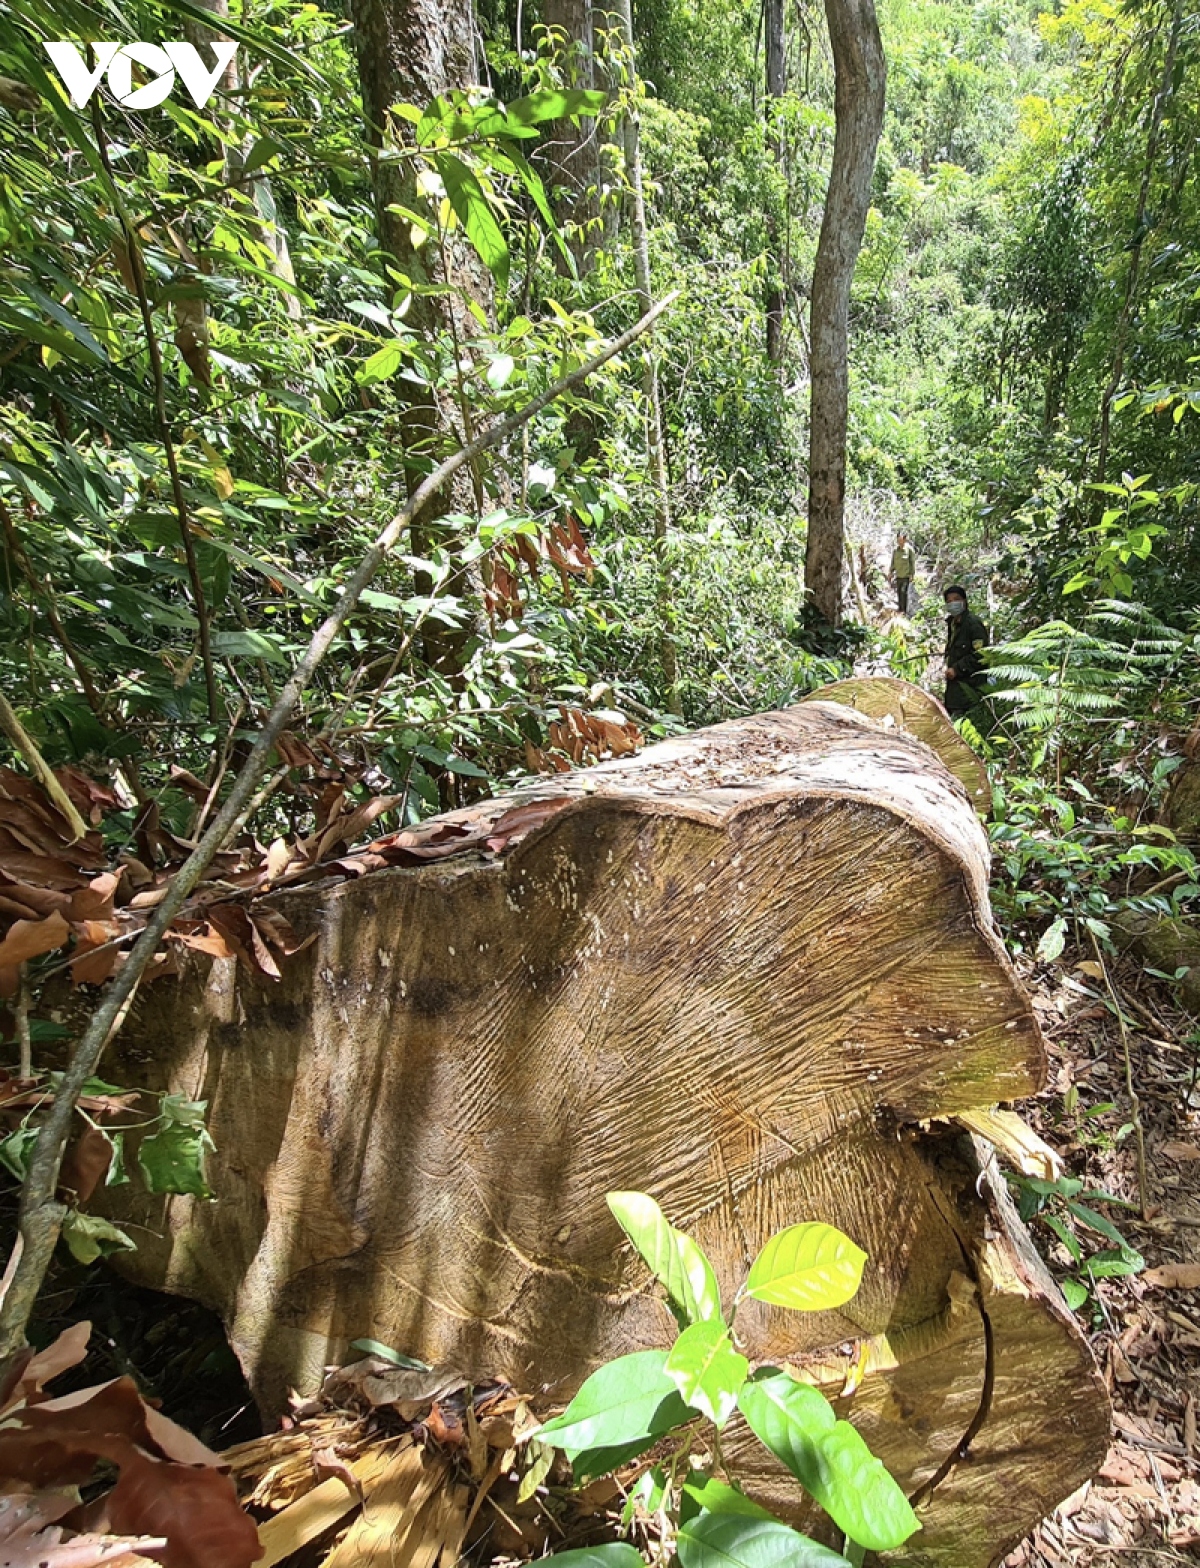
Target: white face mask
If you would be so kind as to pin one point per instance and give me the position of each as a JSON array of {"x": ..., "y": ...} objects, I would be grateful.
[{"x": 955, "y": 606}]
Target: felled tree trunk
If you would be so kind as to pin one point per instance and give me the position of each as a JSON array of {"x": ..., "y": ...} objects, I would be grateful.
[{"x": 735, "y": 971}]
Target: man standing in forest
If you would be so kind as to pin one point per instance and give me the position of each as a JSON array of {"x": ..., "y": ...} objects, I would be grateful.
[
  {"x": 903, "y": 570},
  {"x": 966, "y": 638}
]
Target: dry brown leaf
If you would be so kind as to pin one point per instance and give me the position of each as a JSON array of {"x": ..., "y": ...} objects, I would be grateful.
[
  {"x": 41, "y": 1366},
  {"x": 85, "y": 1164},
  {"x": 29, "y": 1538},
  {"x": 1181, "y": 1151},
  {"x": 26, "y": 939},
  {"x": 169, "y": 1483},
  {"x": 1174, "y": 1276},
  {"x": 279, "y": 858}
]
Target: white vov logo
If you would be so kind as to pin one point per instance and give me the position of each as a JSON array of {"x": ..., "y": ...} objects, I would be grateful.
[{"x": 118, "y": 61}]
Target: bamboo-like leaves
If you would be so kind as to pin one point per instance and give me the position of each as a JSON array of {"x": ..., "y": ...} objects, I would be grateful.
[
  {"x": 807, "y": 1267},
  {"x": 675, "y": 1258}
]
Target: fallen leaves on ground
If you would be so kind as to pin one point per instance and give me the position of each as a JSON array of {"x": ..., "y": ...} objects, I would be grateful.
[{"x": 173, "y": 1496}]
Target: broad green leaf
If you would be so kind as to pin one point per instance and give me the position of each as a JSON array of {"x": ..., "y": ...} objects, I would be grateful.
[
  {"x": 1075, "y": 1292},
  {"x": 630, "y": 1400},
  {"x": 675, "y": 1258},
  {"x": 555, "y": 104},
  {"x": 807, "y": 1267},
  {"x": 172, "y": 1160},
  {"x": 90, "y": 1236},
  {"x": 612, "y": 1554},
  {"x": 1054, "y": 939},
  {"x": 707, "y": 1370},
  {"x": 829, "y": 1459},
  {"x": 735, "y": 1541},
  {"x": 475, "y": 214},
  {"x": 718, "y": 1497},
  {"x": 248, "y": 645},
  {"x": 382, "y": 364},
  {"x": 17, "y": 1149}
]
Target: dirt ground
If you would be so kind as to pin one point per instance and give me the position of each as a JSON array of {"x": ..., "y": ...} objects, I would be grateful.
[{"x": 1144, "y": 1506}]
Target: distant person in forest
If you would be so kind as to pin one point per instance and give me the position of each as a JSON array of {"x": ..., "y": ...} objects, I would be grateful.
[
  {"x": 903, "y": 570},
  {"x": 966, "y": 638}
]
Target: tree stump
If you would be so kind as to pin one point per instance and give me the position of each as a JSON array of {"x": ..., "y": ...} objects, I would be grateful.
[{"x": 736, "y": 972}]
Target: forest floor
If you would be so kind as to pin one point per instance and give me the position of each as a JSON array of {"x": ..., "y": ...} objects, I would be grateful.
[{"x": 1143, "y": 1507}]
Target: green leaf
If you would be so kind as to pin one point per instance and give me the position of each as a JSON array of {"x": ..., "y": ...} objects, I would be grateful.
[
  {"x": 1097, "y": 1222},
  {"x": 829, "y": 1458},
  {"x": 707, "y": 1370},
  {"x": 116, "y": 1175},
  {"x": 475, "y": 214},
  {"x": 1064, "y": 1233},
  {"x": 1075, "y": 1292},
  {"x": 382, "y": 364},
  {"x": 372, "y": 1347},
  {"x": 264, "y": 149},
  {"x": 172, "y": 1160},
  {"x": 16, "y": 1151},
  {"x": 733, "y": 1541},
  {"x": 499, "y": 371},
  {"x": 555, "y": 104},
  {"x": 718, "y": 1497},
  {"x": 90, "y": 1236},
  {"x": 631, "y": 1400},
  {"x": 675, "y": 1258},
  {"x": 612, "y": 1554},
  {"x": 539, "y": 1458},
  {"x": 1054, "y": 939},
  {"x": 247, "y": 645},
  {"x": 809, "y": 1268},
  {"x": 1114, "y": 1262}
]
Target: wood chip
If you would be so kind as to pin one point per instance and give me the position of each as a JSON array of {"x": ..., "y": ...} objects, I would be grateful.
[{"x": 319, "y": 1510}]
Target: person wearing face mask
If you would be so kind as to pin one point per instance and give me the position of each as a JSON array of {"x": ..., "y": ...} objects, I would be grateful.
[{"x": 966, "y": 638}]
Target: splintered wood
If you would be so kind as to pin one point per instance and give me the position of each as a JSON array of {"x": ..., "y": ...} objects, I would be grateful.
[{"x": 736, "y": 971}]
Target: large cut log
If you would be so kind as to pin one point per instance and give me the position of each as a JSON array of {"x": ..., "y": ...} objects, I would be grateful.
[{"x": 736, "y": 972}]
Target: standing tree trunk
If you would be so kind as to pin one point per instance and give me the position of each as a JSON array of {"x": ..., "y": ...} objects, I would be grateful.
[
  {"x": 412, "y": 51},
  {"x": 860, "y": 74},
  {"x": 654, "y": 421},
  {"x": 776, "y": 84},
  {"x": 573, "y": 151}
]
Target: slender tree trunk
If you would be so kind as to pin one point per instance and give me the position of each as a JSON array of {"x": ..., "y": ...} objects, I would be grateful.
[
  {"x": 574, "y": 149},
  {"x": 412, "y": 51},
  {"x": 1142, "y": 226},
  {"x": 654, "y": 420},
  {"x": 776, "y": 85},
  {"x": 860, "y": 74}
]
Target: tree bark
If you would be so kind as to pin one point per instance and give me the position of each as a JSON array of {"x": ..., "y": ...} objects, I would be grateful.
[
  {"x": 573, "y": 150},
  {"x": 656, "y": 448},
  {"x": 412, "y": 51},
  {"x": 860, "y": 74},
  {"x": 776, "y": 86},
  {"x": 737, "y": 972}
]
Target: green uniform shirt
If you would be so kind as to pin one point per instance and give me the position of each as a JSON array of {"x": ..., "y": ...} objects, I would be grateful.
[
  {"x": 904, "y": 561},
  {"x": 966, "y": 638}
]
